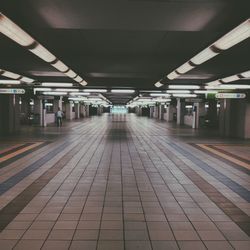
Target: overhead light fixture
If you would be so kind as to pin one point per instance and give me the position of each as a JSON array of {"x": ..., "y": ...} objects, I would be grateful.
[
  {"x": 41, "y": 89},
  {"x": 78, "y": 79},
  {"x": 172, "y": 75},
  {"x": 214, "y": 83},
  {"x": 15, "y": 33},
  {"x": 56, "y": 84},
  {"x": 95, "y": 90},
  {"x": 230, "y": 78},
  {"x": 10, "y": 82},
  {"x": 94, "y": 99},
  {"x": 60, "y": 66},
  {"x": 184, "y": 95},
  {"x": 203, "y": 56},
  {"x": 184, "y": 87},
  {"x": 246, "y": 74},
  {"x": 67, "y": 90},
  {"x": 43, "y": 53},
  {"x": 189, "y": 106},
  {"x": 185, "y": 68},
  {"x": 79, "y": 93},
  {"x": 122, "y": 91},
  {"x": 237, "y": 35},
  {"x": 83, "y": 83},
  {"x": 55, "y": 93},
  {"x": 178, "y": 91},
  {"x": 15, "y": 76},
  {"x": 229, "y": 86},
  {"x": 159, "y": 94},
  {"x": 232, "y": 38},
  {"x": 205, "y": 92},
  {"x": 77, "y": 98},
  {"x": 158, "y": 84}
]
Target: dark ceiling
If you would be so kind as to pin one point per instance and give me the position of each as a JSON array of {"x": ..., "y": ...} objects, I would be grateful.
[{"x": 125, "y": 43}]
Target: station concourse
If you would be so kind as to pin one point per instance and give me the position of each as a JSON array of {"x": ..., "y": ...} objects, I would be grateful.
[{"x": 124, "y": 125}]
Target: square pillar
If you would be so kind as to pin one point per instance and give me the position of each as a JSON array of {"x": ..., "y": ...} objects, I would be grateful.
[{"x": 180, "y": 111}]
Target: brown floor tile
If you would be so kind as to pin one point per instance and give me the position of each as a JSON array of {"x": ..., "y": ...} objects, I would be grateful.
[
  {"x": 221, "y": 245},
  {"x": 164, "y": 245},
  {"x": 11, "y": 234},
  {"x": 211, "y": 235},
  {"x": 161, "y": 235},
  {"x": 191, "y": 245},
  {"x": 56, "y": 245},
  {"x": 186, "y": 235},
  {"x": 83, "y": 245},
  {"x": 29, "y": 244},
  {"x": 64, "y": 234},
  {"x": 86, "y": 234},
  {"x": 141, "y": 235},
  {"x": 111, "y": 235},
  {"x": 7, "y": 244},
  {"x": 36, "y": 234},
  {"x": 138, "y": 245},
  {"x": 110, "y": 245}
]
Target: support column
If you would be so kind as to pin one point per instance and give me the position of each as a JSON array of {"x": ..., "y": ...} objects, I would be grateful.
[
  {"x": 69, "y": 113},
  {"x": 161, "y": 112},
  {"x": 170, "y": 113},
  {"x": 151, "y": 111},
  {"x": 234, "y": 118},
  {"x": 77, "y": 110},
  {"x": 57, "y": 104},
  {"x": 87, "y": 110},
  {"x": 38, "y": 110},
  {"x": 180, "y": 111},
  {"x": 9, "y": 114},
  {"x": 212, "y": 113},
  {"x": 198, "y": 112}
]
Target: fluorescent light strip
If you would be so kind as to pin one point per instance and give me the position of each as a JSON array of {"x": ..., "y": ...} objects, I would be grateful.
[
  {"x": 15, "y": 76},
  {"x": 235, "y": 36},
  {"x": 122, "y": 91},
  {"x": 214, "y": 83},
  {"x": 55, "y": 93},
  {"x": 184, "y": 95},
  {"x": 95, "y": 90},
  {"x": 66, "y": 90},
  {"x": 41, "y": 89},
  {"x": 56, "y": 84},
  {"x": 159, "y": 94},
  {"x": 228, "y": 86},
  {"x": 10, "y": 82},
  {"x": 158, "y": 84},
  {"x": 205, "y": 92},
  {"x": 178, "y": 91},
  {"x": 184, "y": 87},
  {"x": 15, "y": 33},
  {"x": 79, "y": 93},
  {"x": 246, "y": 74}
]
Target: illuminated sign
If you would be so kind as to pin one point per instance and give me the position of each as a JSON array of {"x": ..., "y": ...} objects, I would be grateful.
[
  {"x": 230, "y": 95},
  {"x": 12, "y": 91}
]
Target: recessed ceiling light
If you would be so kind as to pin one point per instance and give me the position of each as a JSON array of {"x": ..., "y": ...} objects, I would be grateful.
[
  {"x": 184, "y": 87},
  {"x": 56, "y": 84}
]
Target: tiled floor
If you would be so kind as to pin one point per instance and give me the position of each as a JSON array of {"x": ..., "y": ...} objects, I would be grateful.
[{"x": 121, "y": 182}]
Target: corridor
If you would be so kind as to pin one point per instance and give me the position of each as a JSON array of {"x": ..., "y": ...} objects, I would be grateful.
[{"x": 115, "y": 182}]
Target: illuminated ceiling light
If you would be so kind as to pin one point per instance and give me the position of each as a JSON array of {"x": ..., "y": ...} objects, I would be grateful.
[
  {"x": 15, "y": 33},
  {"x": 172, "y": 75},
  {"x": 161, "y": 100},
  {"x": 203, "y": 56},
  {"x": 95, "y": 90},
  {"x": 77, "y": 98},
  {"x": 10, "y": 75},
  {"x": 67, "y": 90},
  {"x": 184, "y": 87},
  {"x": 230, "y": 78},
  {"x": 184, "y": 95},
  {"x": 158, "y": 84},
  {"x": 41, "y": 89},
  {"x": 94, "y": 99},
  {"x": 122, "y": 91},
  {"x": 246, "y": 74},
  {"x": 205, "y": 92},
  {"x": 60, "y": 66},
  {"x": 10, "y": 82},
  {"x": 79, "y": 93},
  {"x": 26, "y": 79},
  {"x": 43, "y": 53},
  {"x": 229, "y": 86},
  {"x": 78, "y": 79},
  {"x": 214, "y": 83},
  {"x": 11, "y": 30},
  {"x": 160, "y": 94},
  {"x": 185, "y": 68},
  {"x": 178, "y": 91},
  {"x": 189, "y": 106},
  {"x": 55, "y": 93},
  {"x": 234, "y": 37},
  {"x": 71, "y": 73},
  {"x": 83, "y": 83},
  {"x": 56, "y": 84}
]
